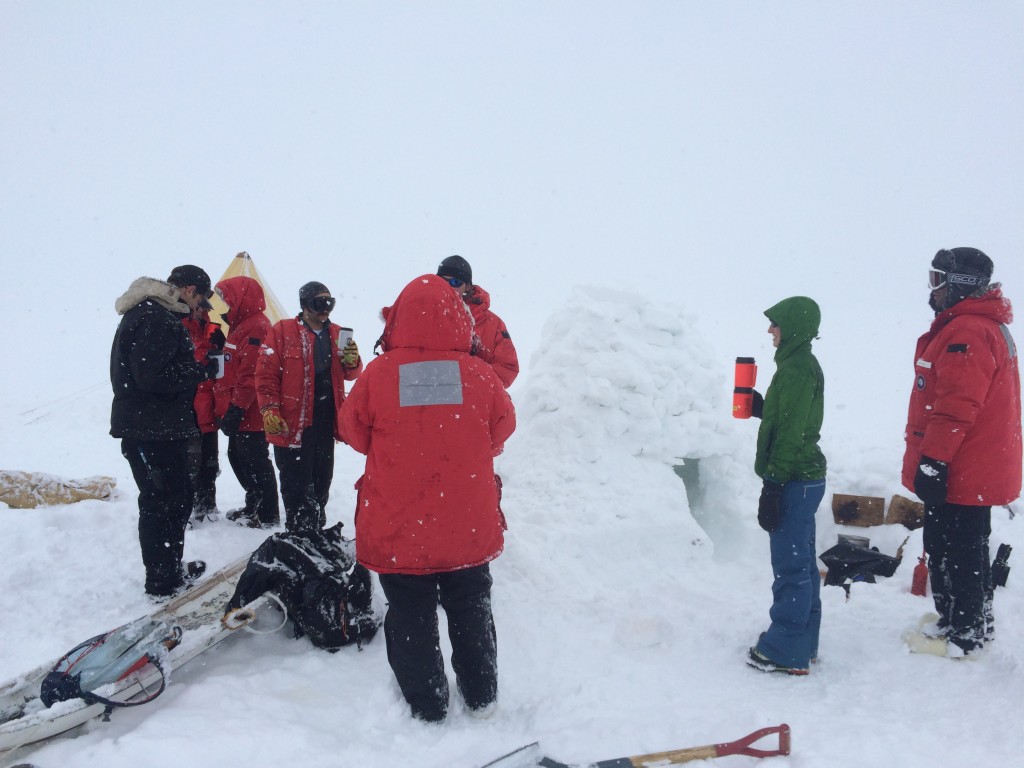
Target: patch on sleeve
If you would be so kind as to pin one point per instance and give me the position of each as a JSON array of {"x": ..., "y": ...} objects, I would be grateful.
[
  {"x": 254, "y": 341},
  {"x": 433, "y": 382},
  {"x": 956, "y": 348}
]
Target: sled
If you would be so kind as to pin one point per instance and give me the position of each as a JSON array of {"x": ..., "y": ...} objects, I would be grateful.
[{"x": 24, "y": 719}]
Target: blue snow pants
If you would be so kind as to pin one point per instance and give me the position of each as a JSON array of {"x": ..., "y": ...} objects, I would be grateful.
[{"x": 792, "y": 638}]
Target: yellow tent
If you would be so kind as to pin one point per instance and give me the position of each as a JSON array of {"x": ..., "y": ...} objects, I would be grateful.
[{"x": 243, "y": 265}]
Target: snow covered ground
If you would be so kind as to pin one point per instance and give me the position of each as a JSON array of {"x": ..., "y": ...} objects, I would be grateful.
[{"x": 634, "y": 184}]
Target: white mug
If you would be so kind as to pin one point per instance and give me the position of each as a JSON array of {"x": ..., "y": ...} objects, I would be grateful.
[
  {"x": 344, "y": 337},
  {"x": 219, "y": 357}
]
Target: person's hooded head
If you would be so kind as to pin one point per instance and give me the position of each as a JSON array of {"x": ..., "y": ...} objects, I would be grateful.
[
  {"x": 428, "y": 315},
  {"x": 244, "y": 297},
  {"x": 797, "y": 319},
  {"x": 957, "y": 274}
]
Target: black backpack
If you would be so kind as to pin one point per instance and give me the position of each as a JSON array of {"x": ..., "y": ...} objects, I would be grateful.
[{"x": 328, "y": 595}]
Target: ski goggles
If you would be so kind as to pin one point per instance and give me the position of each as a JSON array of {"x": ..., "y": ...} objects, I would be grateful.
[
  {"x": 454, "y": 282},
  {"x": 322, "y": 303},
  {"x": 938, "y": 278}
]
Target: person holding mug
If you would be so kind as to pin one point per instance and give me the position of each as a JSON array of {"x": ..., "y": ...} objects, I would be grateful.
[
  {"x": 792, "y": 468},
  {"x": 300, "y": 386}
]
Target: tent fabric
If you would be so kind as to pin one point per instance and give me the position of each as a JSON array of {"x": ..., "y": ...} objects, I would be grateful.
[
  {"x": 28, "y": 490},
  {"x": 243, "y": 265}
]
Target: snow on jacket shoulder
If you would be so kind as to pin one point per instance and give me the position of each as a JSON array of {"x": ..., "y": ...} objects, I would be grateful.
[
  {"x": 285, "y": 377},
  {"x": 153, "y": 371},
  {"x": 248, "y": 328},
  {"x": 430, "y": 417},
  {"x": 494, "y": 345},
  {"x": 965, "y": 404}
]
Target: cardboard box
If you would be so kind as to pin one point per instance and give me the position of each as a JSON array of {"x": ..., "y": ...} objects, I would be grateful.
[
  {"x": 904, "y": 511},
  {"x": 861, "y": 511}
]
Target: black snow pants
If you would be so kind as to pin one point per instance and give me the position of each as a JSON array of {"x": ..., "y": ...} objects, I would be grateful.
[
  {"x": 203, "y": 469},
  {"x": 160, "y": 468},
  {"x": 956, "y": 538},
  {"x": 307, "y": 471},
  {"x": 413, "y": 639},
  {"x": 249, "y": 456}
]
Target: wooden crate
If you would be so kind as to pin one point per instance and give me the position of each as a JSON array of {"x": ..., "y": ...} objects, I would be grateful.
[
  {"x": 904, "y": 511},
  {"x": 861, "y": 511}
]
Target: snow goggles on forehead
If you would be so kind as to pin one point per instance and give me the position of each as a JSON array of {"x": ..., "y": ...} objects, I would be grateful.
[{"x": 322, "y": 303}]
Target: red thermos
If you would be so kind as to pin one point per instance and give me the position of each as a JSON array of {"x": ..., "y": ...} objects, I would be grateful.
[{"x": 743, "y": 393}]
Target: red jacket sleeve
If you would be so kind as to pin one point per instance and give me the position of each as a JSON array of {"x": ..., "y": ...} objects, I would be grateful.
[
  {"x": 269, "y": 368},
  {"x": 355, "y": 420}
]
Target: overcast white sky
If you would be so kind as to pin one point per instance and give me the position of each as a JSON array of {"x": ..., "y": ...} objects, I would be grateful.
[{"x": 722, "y": 155}]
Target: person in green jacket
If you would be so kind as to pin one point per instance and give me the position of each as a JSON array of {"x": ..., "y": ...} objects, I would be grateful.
[{"x": 792, "y": 467}]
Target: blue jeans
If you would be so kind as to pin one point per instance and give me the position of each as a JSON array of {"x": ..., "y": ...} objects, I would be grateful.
[{"x": 792, "y": 638}]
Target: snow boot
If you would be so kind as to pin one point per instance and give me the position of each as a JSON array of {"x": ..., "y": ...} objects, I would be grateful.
[{"x": 759, "y": 661}]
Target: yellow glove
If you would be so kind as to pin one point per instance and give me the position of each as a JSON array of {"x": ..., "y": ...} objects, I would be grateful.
[
  {"x": 350, "y": 354},
  {"x": 273, "y": 424}
]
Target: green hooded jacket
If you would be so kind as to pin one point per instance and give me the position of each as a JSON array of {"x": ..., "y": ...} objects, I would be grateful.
[{"x": 787, "y": 443}]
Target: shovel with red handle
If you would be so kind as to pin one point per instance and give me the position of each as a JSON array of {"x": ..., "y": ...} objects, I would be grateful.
[{"x": 530, "y": 755}]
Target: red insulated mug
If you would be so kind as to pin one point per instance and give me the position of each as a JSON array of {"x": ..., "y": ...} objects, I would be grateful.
[{"x": 743, "y": 392}]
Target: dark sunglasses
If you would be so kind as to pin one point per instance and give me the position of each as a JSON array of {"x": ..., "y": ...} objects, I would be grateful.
[{"x": 322, "y": 303}]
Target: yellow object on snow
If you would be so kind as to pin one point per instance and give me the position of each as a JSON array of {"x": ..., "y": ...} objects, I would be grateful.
[{"x": 27, "y": 490}]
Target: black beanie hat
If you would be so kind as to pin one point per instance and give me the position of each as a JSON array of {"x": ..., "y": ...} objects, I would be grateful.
[
  {"x": 966, "y": 262},
  {"x": 309, "y": 290},
  {"x": 458, "y": 267},
  {"x": 190, "y": 274}
]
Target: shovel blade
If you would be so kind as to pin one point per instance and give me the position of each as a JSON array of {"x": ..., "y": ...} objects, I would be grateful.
[{"x": 524, "y": 757}]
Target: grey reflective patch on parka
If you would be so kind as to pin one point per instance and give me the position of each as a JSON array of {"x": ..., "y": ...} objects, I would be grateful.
[
  {"x": 434, "y": 382},
  {"x": 1010, "y": 346}
]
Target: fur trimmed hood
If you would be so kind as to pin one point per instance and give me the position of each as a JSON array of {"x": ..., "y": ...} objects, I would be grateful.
[{"x": 164, "y": 294}]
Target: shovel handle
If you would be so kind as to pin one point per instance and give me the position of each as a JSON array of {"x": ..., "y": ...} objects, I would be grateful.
[{"x": 738, "y": 747}]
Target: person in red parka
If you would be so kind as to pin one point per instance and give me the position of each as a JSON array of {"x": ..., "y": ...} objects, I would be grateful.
[
  {"x": 491, "y": 340},
  {"x": 963, "y": 440},
  {"x": 430, "y": 417},
  {"x": 300, "y": 387},
  {"x": 203, "y": 451},
  {"x": 238, "y": 411}
]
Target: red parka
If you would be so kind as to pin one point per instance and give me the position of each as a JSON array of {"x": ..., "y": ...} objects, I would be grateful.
[
  {"x": 965, "y": 405},
  {"x": 430, "y": 417},
  {"x": 285, "y": 377},
  {"x": 199, "y": 331},
  {"x": 248, "y": 328},
  {"x": 493, "y": 343},
  {"x": 491, "y": 340}
]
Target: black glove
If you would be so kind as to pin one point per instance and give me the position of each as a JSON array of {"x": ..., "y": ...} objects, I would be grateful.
[
  {"x": 757, "y": 406},
  {"x": 930, "y": 481},
  {"x": 217, "y": 339},
  {"x": 211, "y": 368},
  {"x": 231, "y": 420},
  {"x": 769, "y": 507}
]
